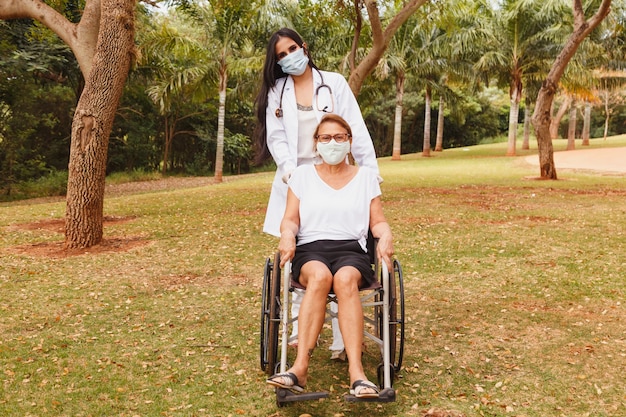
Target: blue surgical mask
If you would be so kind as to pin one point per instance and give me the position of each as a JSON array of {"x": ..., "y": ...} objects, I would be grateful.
[{"x": 295, "y": 63}]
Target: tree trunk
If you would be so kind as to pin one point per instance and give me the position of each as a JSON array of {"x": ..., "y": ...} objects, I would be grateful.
[
  {"x": 397, "y": 127},
  {"x": 556, "y": 121},
  {"x": 607, "y": 115},
  {"x": 513, "y": 120},
  {"x": 439, "y": 140},
  {"x": 168, "y": 143},
  {"x": 527, "y": 113},
  {"x": 380, "y": 39},
  {"x": 426, "y": 147},
  {"x": 541, "y": 122},
  {"x": 541, "y": 116},
  {"x": 586, "y": 124},
  {"x": 571, "y": 128},
  {"x": 92, "y": 124},
  {"x": 221, "y": 115}
]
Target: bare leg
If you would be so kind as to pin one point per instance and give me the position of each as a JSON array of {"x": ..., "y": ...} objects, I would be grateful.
[
  {"x": 317, "y": 280},
  {"x": 346, "y": 286}
]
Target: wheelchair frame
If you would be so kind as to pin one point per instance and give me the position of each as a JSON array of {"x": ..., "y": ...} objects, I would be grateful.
[{"x": 387, "y": 300}]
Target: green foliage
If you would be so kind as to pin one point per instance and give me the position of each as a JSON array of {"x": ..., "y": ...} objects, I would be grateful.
[
  {"x": 36, "y": 99},
  {"x": 132, "y": 176},
  {"x": 174, "y": 84},
  {"x": 135, "y": 143},
  {"x": 53, "y": 184},
  {"x": 479, "y": 121},
  {"x": 237, "y": 153}
]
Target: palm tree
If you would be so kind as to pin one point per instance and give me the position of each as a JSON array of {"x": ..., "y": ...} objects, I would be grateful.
[
  {"x": 610, "y": 85},
  {"x": 524, "y": 32},
  {"x": 394, "y": 61},
  {"x": 209, "y": 44},
  {"x": 427, "y": 65},
  {"x": 225, "y": 24},
  {"x": 611, "y": 76},
  {"x": 466, "y": 28},
  {"x": 416, "y": 54},
  {"x": 173, "y": 53}
]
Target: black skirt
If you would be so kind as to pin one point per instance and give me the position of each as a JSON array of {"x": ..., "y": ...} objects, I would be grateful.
[{"x": 334, "y": 254}]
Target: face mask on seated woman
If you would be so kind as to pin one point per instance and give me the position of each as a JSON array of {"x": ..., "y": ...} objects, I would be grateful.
[{"x": 333, "y": 153}]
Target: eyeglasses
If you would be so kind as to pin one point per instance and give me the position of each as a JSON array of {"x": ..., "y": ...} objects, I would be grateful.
[{"x": 338, "y": 137}]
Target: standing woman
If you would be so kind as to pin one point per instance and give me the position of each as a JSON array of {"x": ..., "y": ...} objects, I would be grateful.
[{"x": 293, "y": 98}]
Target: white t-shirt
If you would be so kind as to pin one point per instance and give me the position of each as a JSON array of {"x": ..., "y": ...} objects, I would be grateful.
[{"x": 326, "y": 213}]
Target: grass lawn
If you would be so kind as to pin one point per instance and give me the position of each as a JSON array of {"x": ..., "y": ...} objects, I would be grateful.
[{"x": 514, "y": 292}]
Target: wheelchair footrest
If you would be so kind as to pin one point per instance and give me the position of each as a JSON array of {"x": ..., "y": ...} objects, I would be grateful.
[
  {"x": 388, "y": 395},
  {"x": 286, "y": 396}
]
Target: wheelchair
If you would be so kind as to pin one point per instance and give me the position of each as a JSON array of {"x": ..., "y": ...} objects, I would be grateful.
[{"x": 384, "y": 326}]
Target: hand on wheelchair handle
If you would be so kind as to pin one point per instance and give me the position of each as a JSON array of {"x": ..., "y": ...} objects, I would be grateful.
[
  {"x": 384, "y": 250},
  {"x": 286, "y": 247},
  {"x": 284, "y": 259}
]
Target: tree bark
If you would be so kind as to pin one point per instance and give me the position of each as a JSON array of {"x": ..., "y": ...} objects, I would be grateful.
[
  {"x": 515, "y": 96},
  {"x": 427, "y": 100},
  {"x": 586, "y": 124},
  {"x": 571, "y": 128},
  {"x": 541, "y": 116},
  {"x": 221, "y": 116},
  {"x": 556, "y": 121},
  {"x": 169, "y": 129},
  {"x": 358, "y": 25},
  {"x": 380, "y": 40},
  {"x": 440, "y": 120},
  {"x": 103, "y": 43},
  {"x": 527, "y": 113},
  {"x": 92, "y": 124},
  {"x": 541, "y": 123},
  {"x": 607, "y": 115},
  {"x": 397, "y": 127}
]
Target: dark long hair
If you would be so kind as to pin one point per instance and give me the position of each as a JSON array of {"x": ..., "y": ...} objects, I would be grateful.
[{"x": 271, "y": 73}]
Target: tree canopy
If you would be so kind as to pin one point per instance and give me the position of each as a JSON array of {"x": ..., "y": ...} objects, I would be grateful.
[{"x": 168, "y": 118}]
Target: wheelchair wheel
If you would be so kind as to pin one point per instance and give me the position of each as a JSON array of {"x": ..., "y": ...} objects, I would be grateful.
[
  {"x": 396, "y": 319},
  {"x": 265, "y": 312},
  {"x": 396, "y": 322},
  {"x": 270, "y": 315}
]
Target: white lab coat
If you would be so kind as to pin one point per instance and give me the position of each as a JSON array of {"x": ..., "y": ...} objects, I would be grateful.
[{"x": 282, "y": 134}]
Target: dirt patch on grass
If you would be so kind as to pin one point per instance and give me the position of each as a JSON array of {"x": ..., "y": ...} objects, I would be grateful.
[
  {"x": 57, "y": 249},
  {"x": 58, "y": 225},
  {"x": 109, "y": 244}
]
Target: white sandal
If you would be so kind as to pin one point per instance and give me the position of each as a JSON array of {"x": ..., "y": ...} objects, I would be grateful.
[{"x": 363, "y": 389}]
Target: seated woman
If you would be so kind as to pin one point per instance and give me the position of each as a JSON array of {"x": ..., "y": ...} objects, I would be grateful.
[{"x": 330, "y": 208}]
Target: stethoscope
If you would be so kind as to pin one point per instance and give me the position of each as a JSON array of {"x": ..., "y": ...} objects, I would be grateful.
[{"x": 279, "y": 110}]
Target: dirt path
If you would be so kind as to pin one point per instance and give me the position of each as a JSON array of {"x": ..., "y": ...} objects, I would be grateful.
[{"x": 607, "y": 160}]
